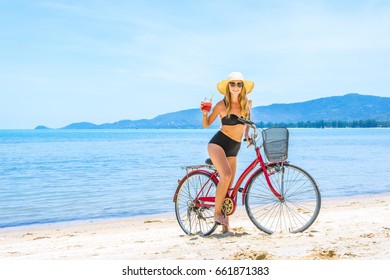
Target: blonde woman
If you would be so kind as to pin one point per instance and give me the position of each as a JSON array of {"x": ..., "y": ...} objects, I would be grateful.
[{"x": 224, "y": 146}]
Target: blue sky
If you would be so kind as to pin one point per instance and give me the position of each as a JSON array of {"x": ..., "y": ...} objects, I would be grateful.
[{"x": 104, "y": 61}]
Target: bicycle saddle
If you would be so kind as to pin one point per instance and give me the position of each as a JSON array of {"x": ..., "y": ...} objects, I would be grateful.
[{"x": 208, "y": 161}]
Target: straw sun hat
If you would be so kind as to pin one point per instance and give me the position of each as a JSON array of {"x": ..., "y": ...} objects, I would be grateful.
[{"x": 222, "y": 85}]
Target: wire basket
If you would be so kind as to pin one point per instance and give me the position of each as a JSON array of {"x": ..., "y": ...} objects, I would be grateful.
[{"x": 275, "y": 143}]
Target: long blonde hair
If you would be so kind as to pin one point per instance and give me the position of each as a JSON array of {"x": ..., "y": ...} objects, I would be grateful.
[{"x": 242, "y": 99}]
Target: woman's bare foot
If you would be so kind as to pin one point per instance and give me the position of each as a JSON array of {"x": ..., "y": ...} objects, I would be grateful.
[
  {"x": 226, "y": 228},
  {"x": 220, "y": 220}
]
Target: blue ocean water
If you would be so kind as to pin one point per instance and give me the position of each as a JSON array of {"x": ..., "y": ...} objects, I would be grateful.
[{"x": 65, "y": 175}]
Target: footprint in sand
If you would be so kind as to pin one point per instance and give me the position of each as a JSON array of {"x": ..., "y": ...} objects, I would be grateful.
[
  {"x": 367, "y": 235},
  {"x": 14, "y": 253},
  {"x": 250, "y": 255},
  {"x": 70, "y": 235},
  {"x": 152, "y": 221},
  {"x": 323, "y": 254},
  {"x": 41, "y": 237},
  {"x": 350, "y": 255},
  {"x": 239, "y": 231}
]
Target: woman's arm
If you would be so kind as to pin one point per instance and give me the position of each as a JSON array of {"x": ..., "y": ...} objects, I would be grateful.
[
  {"x": 250, "y": 112},
  {"x": 207, "y": 120}
]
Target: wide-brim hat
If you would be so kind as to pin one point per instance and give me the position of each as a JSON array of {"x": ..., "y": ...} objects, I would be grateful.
[{"x": 234, "y": 76}]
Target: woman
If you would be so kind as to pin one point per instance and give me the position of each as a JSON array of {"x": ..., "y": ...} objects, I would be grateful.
[{"x": 225, "y": 144}]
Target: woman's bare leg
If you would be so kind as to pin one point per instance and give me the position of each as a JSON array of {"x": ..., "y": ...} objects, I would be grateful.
[
  {"x": 233, "y": 166},
  {"x": 221, "y": 163}
]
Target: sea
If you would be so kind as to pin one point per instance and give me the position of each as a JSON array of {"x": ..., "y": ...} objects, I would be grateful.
[{"x": 50, "y": 176}]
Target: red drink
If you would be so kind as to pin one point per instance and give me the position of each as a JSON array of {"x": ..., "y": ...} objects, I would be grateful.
[{"x": 206, "y": 105}]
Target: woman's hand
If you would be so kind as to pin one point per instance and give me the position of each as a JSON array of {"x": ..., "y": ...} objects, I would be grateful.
[
  {"x": 249, "y": 140},
  {"x": 202, "y": 106}
]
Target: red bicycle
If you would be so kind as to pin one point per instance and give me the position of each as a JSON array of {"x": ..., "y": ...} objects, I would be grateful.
[{"x": 278, "y": 196}]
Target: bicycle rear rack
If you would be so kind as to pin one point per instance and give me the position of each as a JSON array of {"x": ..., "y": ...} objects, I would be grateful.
[{"x": 193, "y": 167}]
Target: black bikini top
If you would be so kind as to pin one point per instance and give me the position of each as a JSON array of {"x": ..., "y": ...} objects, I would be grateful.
[
  {"x": 233, "y": 120},
  {"x": 230, "y": 120}
]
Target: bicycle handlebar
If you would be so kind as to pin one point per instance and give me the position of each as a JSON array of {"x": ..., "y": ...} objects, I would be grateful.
[
  {"x": 252, "y": 125},
  {"x": 247, "y": 122}
]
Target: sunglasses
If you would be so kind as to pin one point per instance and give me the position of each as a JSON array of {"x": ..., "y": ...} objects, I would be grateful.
[{"x": 233, "y": 84}]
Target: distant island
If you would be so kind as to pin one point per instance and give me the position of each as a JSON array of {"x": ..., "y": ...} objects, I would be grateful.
[{"x": 350, "y": 110}]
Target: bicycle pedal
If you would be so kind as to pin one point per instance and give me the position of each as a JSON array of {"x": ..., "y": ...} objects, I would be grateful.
[{"x": 240, "y": 189}]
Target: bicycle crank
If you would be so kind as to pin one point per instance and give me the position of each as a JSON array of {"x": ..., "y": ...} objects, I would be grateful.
[{"x": 228, "y": 206}]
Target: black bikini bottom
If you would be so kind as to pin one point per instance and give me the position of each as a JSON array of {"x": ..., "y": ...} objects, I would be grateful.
[{"x": 230, "y": 146}]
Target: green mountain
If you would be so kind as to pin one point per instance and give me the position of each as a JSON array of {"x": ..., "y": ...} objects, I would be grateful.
[{"x": 349, "y": 107}]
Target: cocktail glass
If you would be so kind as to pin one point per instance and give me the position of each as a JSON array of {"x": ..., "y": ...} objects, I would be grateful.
[{"x": 206, "y": 105}]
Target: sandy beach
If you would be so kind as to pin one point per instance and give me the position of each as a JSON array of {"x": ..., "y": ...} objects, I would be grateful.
[{"x": 347, "y": 228}]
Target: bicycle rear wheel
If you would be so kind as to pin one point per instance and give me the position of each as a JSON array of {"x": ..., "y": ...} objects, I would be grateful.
[
  {"x": 294, "y": 213},
  {"x": 195, "y": 216}
]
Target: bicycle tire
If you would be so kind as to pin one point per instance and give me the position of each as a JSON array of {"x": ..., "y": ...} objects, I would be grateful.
[
  {"x": 191, "y": 218},
  {"x": 299, "y": 207}
]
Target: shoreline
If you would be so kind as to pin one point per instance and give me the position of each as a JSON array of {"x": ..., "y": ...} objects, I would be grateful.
[
  {"x": 356, "y": 227},
  {"x": 81, "y": 222}
]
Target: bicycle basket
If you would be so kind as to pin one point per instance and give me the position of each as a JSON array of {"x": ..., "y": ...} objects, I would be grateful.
[{"x": 275, "y": 143}]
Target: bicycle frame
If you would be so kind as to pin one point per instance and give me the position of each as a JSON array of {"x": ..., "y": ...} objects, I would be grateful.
[
  {"x": 205, "y": 200},
  {"x": 248, "y": 170}
]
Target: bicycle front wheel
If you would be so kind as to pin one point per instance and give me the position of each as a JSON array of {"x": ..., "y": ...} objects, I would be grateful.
[
  {"x": 295, "y": 211},
  {"x": 194, "y": 205}
]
